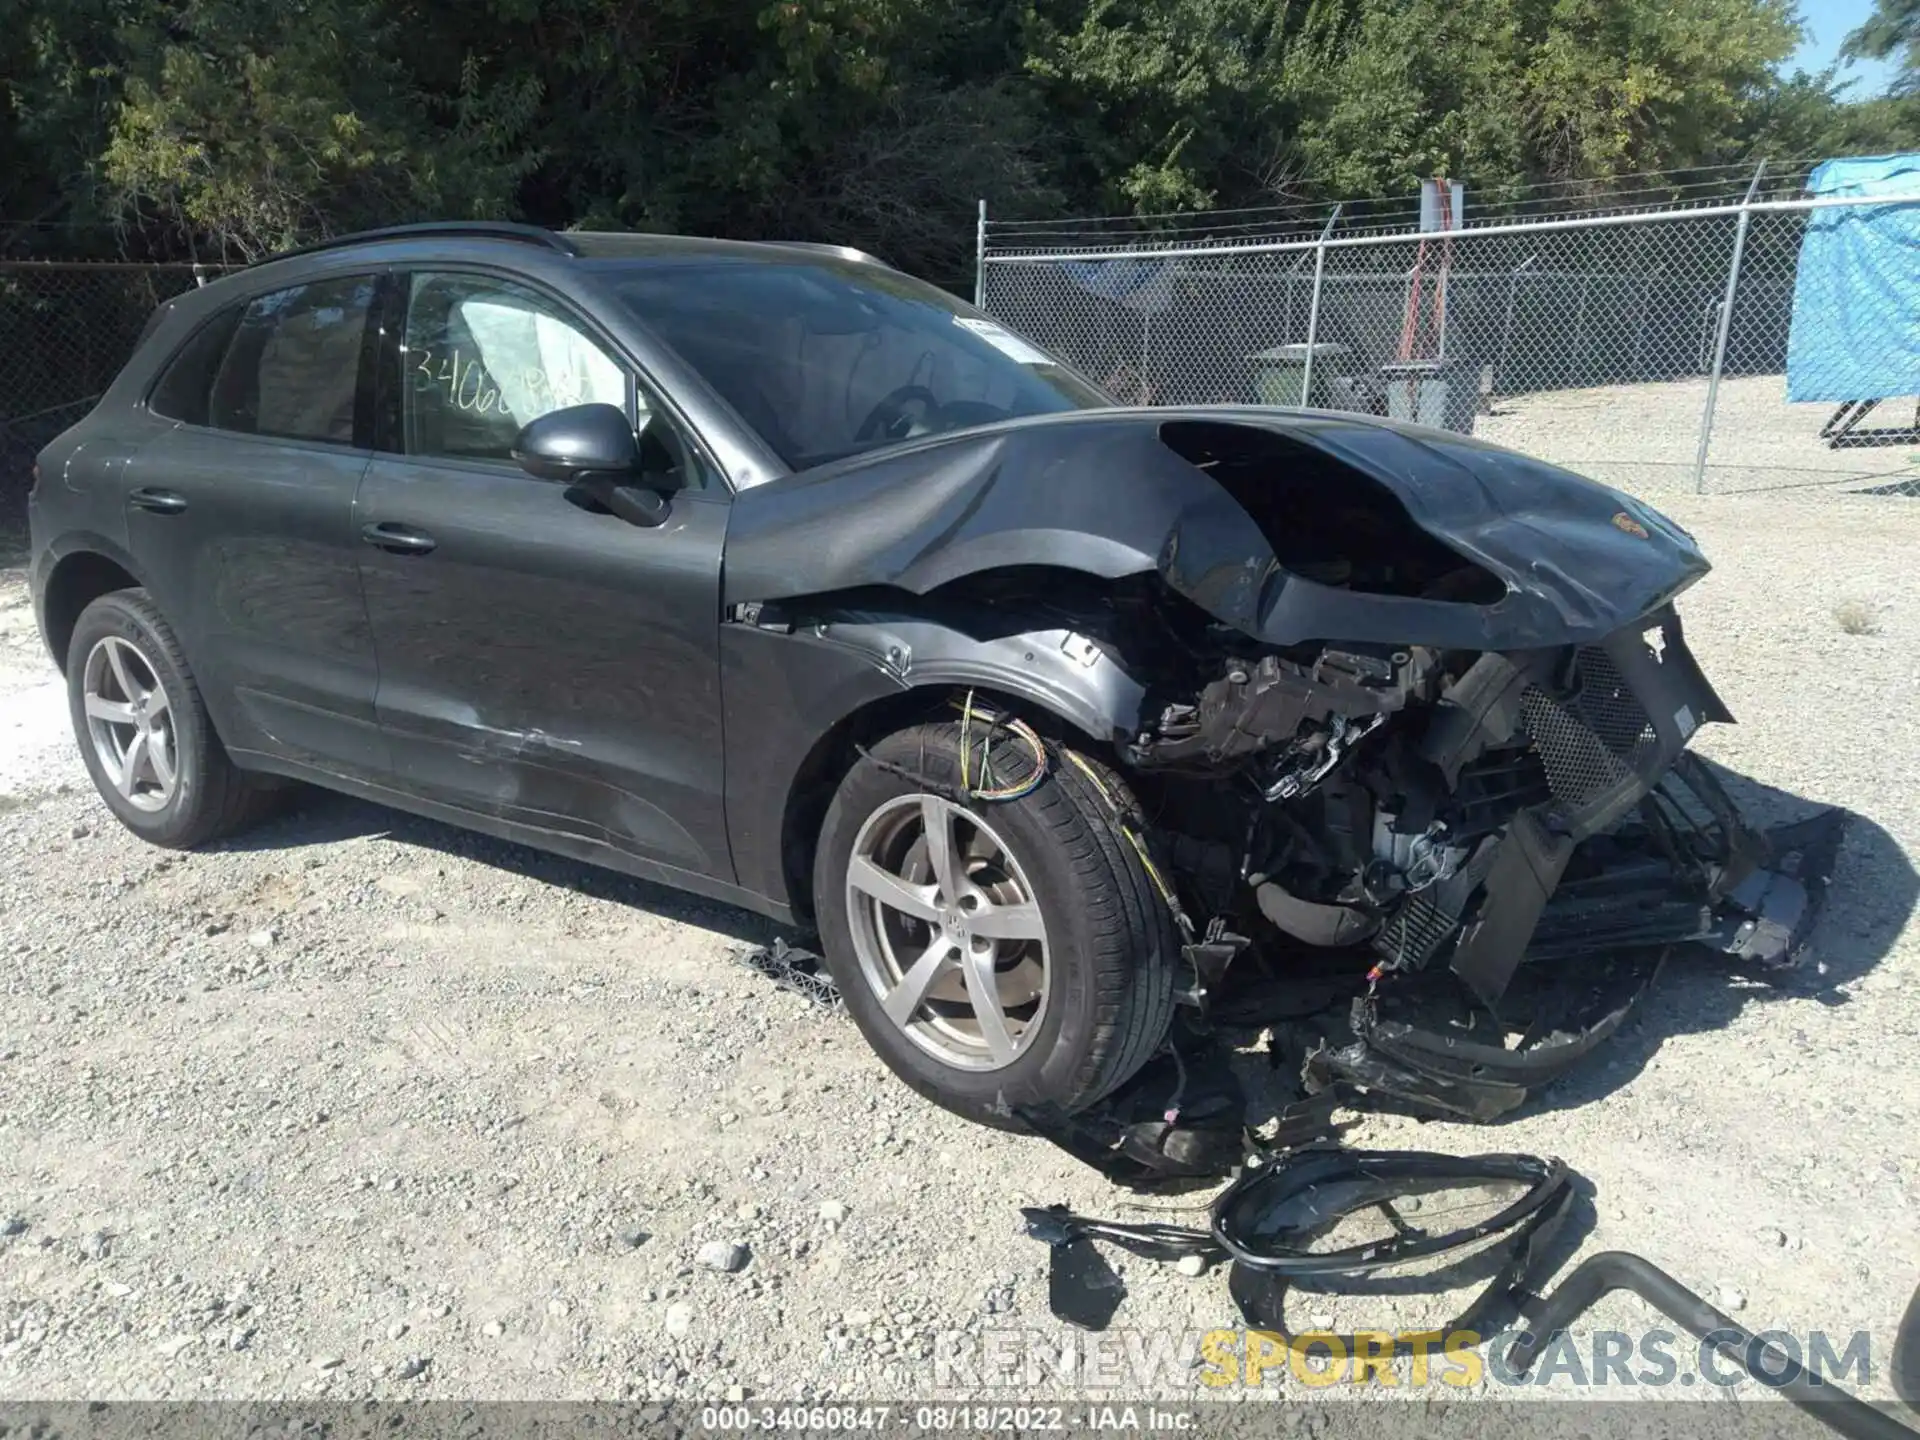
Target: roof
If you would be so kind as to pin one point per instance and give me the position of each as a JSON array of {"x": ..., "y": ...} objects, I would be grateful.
[{"x": 587, "y": 244}]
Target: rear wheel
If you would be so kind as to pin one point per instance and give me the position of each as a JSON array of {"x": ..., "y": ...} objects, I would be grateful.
[
  {"x": 995, "y": 954},
  {"x": 144, "y": 732}
]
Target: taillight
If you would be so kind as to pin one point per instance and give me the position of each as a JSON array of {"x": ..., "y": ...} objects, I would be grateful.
[{"x": 35, "y": 485}]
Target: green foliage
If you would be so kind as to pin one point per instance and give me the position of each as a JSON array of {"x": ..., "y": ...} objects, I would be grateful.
[
  {"x": 245, "y": 125},
  {"x": 1892, "y": 29}
]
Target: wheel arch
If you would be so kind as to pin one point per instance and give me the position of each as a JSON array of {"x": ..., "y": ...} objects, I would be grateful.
[
  {"x": 933, "y": 696},
  {"x": 77, "y": 579},
  {"x": 816, "y": 678}
]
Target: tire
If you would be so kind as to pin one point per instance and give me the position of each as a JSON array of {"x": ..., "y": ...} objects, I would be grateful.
[
  {"x": 209, "y": 797},
  {"x": 1109, "y": 946}
]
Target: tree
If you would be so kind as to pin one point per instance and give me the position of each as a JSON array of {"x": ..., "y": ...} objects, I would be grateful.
[
  {"x": 1213, "y": 101},
  {"x": 258, "y": 123},
  {"x": 1893, "y": 28},
  {"x": 196, "y": 126}
]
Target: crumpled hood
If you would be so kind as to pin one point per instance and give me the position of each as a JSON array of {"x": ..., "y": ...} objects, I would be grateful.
[{"x": 1098, "y": 491}]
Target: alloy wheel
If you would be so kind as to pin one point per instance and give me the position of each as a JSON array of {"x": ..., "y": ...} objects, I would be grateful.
[
  {"x": 947, "y": 932},
  {"x": 130, "y": 723}
]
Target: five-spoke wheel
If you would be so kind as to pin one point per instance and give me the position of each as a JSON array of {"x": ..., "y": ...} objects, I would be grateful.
[
  {"x": 144, "y": 730},
  {"x": 130, "y": 721},
  {"x": 999, "y": 953},
  {"x": 947, "y": 931}
]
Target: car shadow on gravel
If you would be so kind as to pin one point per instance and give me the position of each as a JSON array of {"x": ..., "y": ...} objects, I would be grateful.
[
  {"x": 318, "y": 818},
  {"x": 1870, "y": 898}
]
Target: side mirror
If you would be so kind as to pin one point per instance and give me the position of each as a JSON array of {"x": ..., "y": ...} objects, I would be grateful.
[
  {"x": 593, "y": 451},
  {"x": 579, "y": 441}
]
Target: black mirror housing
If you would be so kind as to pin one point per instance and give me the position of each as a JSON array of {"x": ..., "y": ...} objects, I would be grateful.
[{"x": 578, "y": 442}]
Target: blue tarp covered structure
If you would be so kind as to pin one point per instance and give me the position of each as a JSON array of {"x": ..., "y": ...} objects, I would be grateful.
[
  {"x": 1136, "y": 284},
  {"x": 1856, "y": 299}
]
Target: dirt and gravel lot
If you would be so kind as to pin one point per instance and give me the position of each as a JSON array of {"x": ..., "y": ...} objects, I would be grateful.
[
  {"x": 1647, "y": 436},
  {"x": 364, "y": 1106}
]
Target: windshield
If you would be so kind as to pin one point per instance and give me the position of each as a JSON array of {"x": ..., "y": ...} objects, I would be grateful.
[{"x": 828, "y": 358}]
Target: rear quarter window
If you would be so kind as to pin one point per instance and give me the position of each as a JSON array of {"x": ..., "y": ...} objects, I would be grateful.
[
  {"x": 187, "y": 380},
  {"x": 292, "y": 367}
]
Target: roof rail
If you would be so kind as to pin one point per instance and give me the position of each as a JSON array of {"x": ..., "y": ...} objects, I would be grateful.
[
  {"x": 440, "y": 229},
  {"x": 845, "y": 252}
]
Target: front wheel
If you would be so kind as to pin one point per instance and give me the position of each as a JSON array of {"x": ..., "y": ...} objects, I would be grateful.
[{"x": 995, "y": 954}]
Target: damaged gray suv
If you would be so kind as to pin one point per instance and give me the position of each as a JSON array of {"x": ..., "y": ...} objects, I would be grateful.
[{"x": 770, "y": 573}]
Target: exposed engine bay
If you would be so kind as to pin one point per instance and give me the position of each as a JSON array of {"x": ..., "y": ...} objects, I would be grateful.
[
  {"x": 1403, "y": 714},
  {"x": 1469, "y": 812},
  {"x": 1427, "y": 810}
]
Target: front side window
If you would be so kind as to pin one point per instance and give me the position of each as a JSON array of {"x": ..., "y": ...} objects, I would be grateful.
[
  {"x": 483, "y": 357},
  {"x": 293, "y": 367}
]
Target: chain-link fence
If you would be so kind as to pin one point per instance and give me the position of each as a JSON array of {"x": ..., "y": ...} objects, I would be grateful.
[
  {"x": 1653, "y": 349},
  {"x": 65, "y": 331},
  {"x": 1759, "y": 343}
]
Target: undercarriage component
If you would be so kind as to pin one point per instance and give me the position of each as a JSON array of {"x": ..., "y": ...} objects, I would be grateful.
[
  {"x": 1638, "y": 893},
  {"x": 1181, "y": 1118},
  {"x": 1499, "y": 1215},
  {"x": 1327, "y": 926},
  {"x": 1593, "y": 956},
  {"x": 1272, "y": 1219},
  {"x": 1496, "y": 1212},
  {"x": 1526, "y": 867}
]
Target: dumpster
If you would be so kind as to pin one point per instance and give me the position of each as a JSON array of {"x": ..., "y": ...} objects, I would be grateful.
[
  {"x": 1280, "y": 374},
  {"x": 1441, "y": 393}
]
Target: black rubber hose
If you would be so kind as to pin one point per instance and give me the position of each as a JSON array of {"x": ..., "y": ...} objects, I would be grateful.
[
  {"x": 1617, "y": 1270},
  {"x": 1906, "y": 1355}
]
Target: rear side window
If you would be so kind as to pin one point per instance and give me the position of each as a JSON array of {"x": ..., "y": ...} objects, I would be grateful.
[
  {"x": 183, "y": 389},
  {"x": 292, "y": 368}
]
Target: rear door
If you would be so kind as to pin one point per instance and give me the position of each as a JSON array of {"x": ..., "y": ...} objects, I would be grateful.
[
  {"x": 539, "y": 662},
  {"x": 241, "y": 518}
]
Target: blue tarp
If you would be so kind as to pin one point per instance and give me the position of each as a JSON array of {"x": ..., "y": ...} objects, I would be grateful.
[
  {"x": 1856, "y": 301},
  {"x": 1136, "y": 284}
]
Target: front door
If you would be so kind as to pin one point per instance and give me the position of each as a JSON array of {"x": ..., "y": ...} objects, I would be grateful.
[
  {"x": 539, "y": 662},
  {"x": 242, "y": 516}
]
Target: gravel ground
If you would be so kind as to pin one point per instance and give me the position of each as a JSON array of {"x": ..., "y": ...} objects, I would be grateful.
[
  {"x": 1647, "y": 436},
  {"x": 364, "y": 1106}
]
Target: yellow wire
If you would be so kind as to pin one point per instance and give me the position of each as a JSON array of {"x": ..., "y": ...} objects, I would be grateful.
[
  {"x": 966, "y": 723},
  {"x": 1153, "y": 871},
  {"x": 1019, "y": 727},
  {"x": 1098, "y": 784}
]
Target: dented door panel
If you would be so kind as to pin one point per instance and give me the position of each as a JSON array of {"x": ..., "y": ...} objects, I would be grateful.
[{"x": 549, "y": 666}]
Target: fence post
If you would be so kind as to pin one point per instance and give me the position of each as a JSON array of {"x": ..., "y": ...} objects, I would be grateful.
[
  {"x": 1313, "y": 307},
  {"x": 980, "y": 260},
  {"x": 1726, "y": 325}
]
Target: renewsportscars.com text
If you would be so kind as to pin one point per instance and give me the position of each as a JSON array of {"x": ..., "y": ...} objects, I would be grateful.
[{"x": 1221, "y": 1360}]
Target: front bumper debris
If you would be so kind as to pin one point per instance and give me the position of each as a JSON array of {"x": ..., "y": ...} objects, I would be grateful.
[{"x": 1596, "y": 953}]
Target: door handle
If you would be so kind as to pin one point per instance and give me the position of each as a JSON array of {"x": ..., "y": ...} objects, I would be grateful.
[
  {"x": 397, "y": 539},
  {"x": 160, "y": 502}
]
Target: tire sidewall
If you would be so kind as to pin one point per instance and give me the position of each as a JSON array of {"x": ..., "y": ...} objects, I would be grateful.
[
  {"x": 119, "y": 615},
  {"x": 1059, "y": 1061}
]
